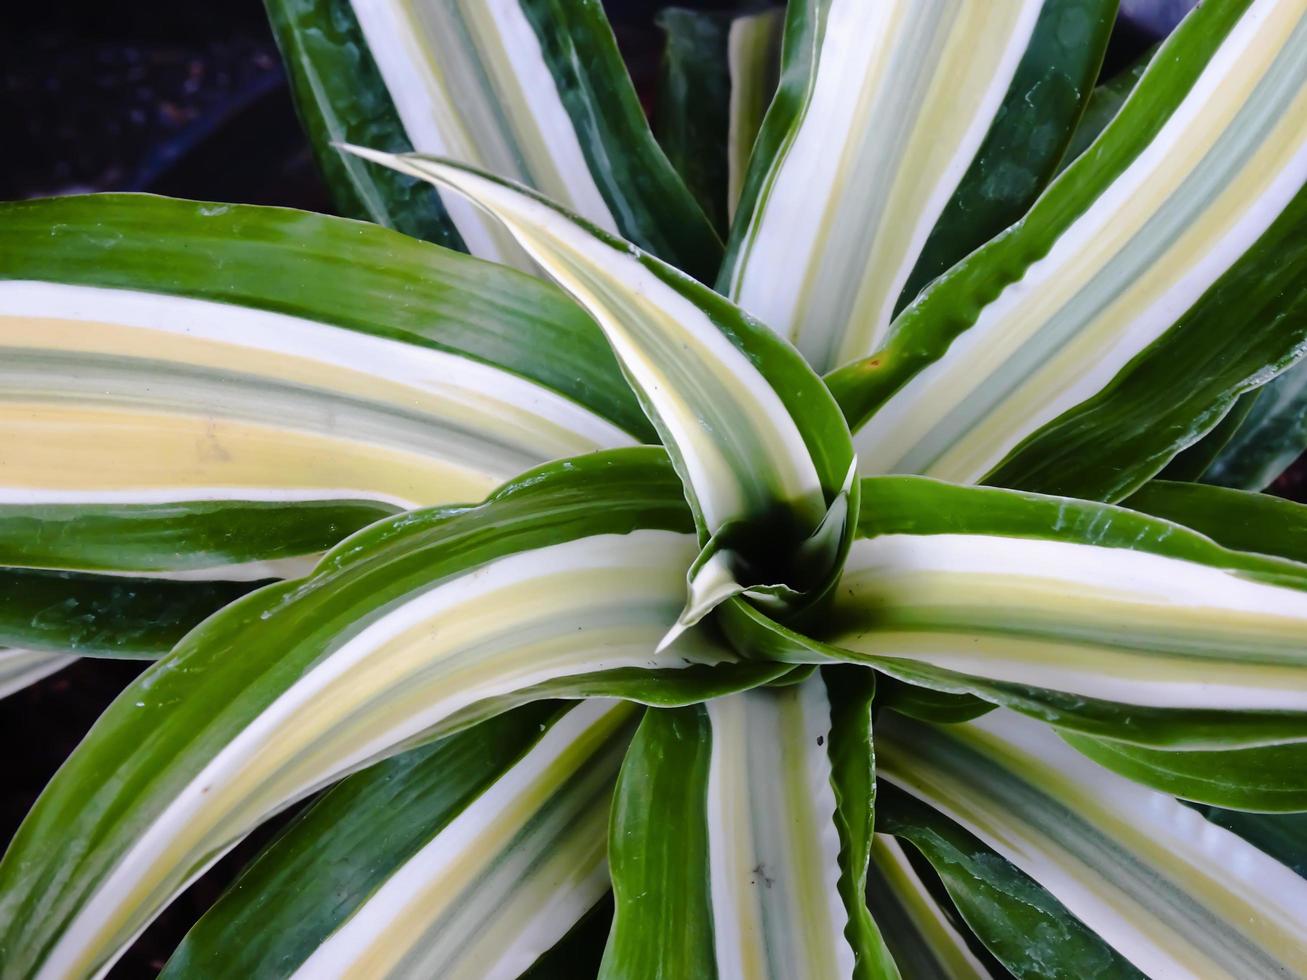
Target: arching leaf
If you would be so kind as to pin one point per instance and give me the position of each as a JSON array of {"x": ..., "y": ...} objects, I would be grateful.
[
  {"x": 760, "y": 445},
  {"x": 1169, "y": 891},
  {"x": 559, "y": 585},
  {"x": 496, "y": 833}
]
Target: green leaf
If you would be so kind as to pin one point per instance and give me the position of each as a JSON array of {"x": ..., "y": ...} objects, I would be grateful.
[
  {"x": 1234, "y": 519},
  {"x": 718, "y": 75},
  {"x": 853, "y": 780},
  {"x": 331, "y": 360},
  {"x": 1269, "y": 778},
  {"x": 693, "y": 110},
  {"x": 534, "y": 90},
  {"x": 105, "y": 615},
  {"x": 1170, "y": 892},
  {"x": 761, "y": 447},
  {"x": 1104, "y": 103},
  {"x": 1267, "y": 441},
  {"x": 1093, "y": 617},
  {"x": 924, "y": 940},
  {"x": 881, "y": 163},
  {"x": 775, "y": 804},
  {"x": 496, "y": 833},
  {"x": 239, "y": 539},
  {"x": 1194, "y": 460},
  {"x": 1171, "y": 258},
  {"x": 559, "y": 585},
  {"x": 341, "y": 95},
  {"x": 1030, "y": 932},
  {"x": 1027, "y": 139},
  {"x": 658, "y": 852}
]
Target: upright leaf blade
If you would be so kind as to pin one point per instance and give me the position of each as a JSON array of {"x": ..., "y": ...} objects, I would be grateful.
[
  {"x": 1124, "y": 280},
  {"x": 880, "y": 163},
  {"x": 719, "y": 72},
  {"x": 534, "y": 90},
  {"x": 769, "y": 836},
  {"x": 340, "y": 94},
  {"x": 658, "y": 852}
]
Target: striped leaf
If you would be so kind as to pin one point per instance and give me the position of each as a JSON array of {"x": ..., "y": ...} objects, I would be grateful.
[
  {"x": 1104, "y": 103},
  {"x": 926, "y": 944},
  {"x": 753, "y": 54},
  {"x": 331, "y": 361},
  {"x": 559, "y": 585},
  {"x": 1157, "y": 279},
  {"x": 921, "y": 141},
  {"x": 1093, "y": 617},
  {"x": 1028, "y": 930},
  {"x": 1172, "y": 893},
  {"x": 740, "y": 838},
  {"x": 760, "y": 445},
  {"x": 718, "y": 75},
  {"x": 533, "y": 90},
  {"x": 471, "y": 857},
  {"x": 1236, "y": 519},
  {"x": 1267, "y": 778}
]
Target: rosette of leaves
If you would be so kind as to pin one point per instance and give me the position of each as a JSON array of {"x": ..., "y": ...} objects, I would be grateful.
[{"x": 634, "y": 602}]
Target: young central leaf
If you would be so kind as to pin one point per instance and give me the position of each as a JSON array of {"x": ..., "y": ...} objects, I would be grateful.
[{"x": 761, "y": 446}]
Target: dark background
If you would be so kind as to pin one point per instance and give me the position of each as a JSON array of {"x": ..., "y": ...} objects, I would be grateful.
[{"x": 189, "y": 99}]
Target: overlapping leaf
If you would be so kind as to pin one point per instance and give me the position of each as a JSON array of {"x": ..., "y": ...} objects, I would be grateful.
[
  {"x": 757, "y": 866},
  {"x": 533, "y": 90},
  {"x": 882, "y": 162},
  {"x": 1093, "y": 617},
  {"x": 1169, "y": 891},
  {"x": 719, "y": 72},
  {"x": 760, "y": 445},
  {"x": 561, "y": 584},
  {"x": 497, "y": 833},
  {"x": 1155, "y": 281}
]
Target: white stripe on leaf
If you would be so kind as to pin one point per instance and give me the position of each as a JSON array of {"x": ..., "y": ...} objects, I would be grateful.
[
  {"x": 888, "y": 129},
  {"x": 1175, "y": 894},
  {"x": 773, "y": 845},
  {"x": 503, "y": 881}
]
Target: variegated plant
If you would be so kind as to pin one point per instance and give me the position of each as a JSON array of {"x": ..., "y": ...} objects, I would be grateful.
[{"x": 927, "y": 429}]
